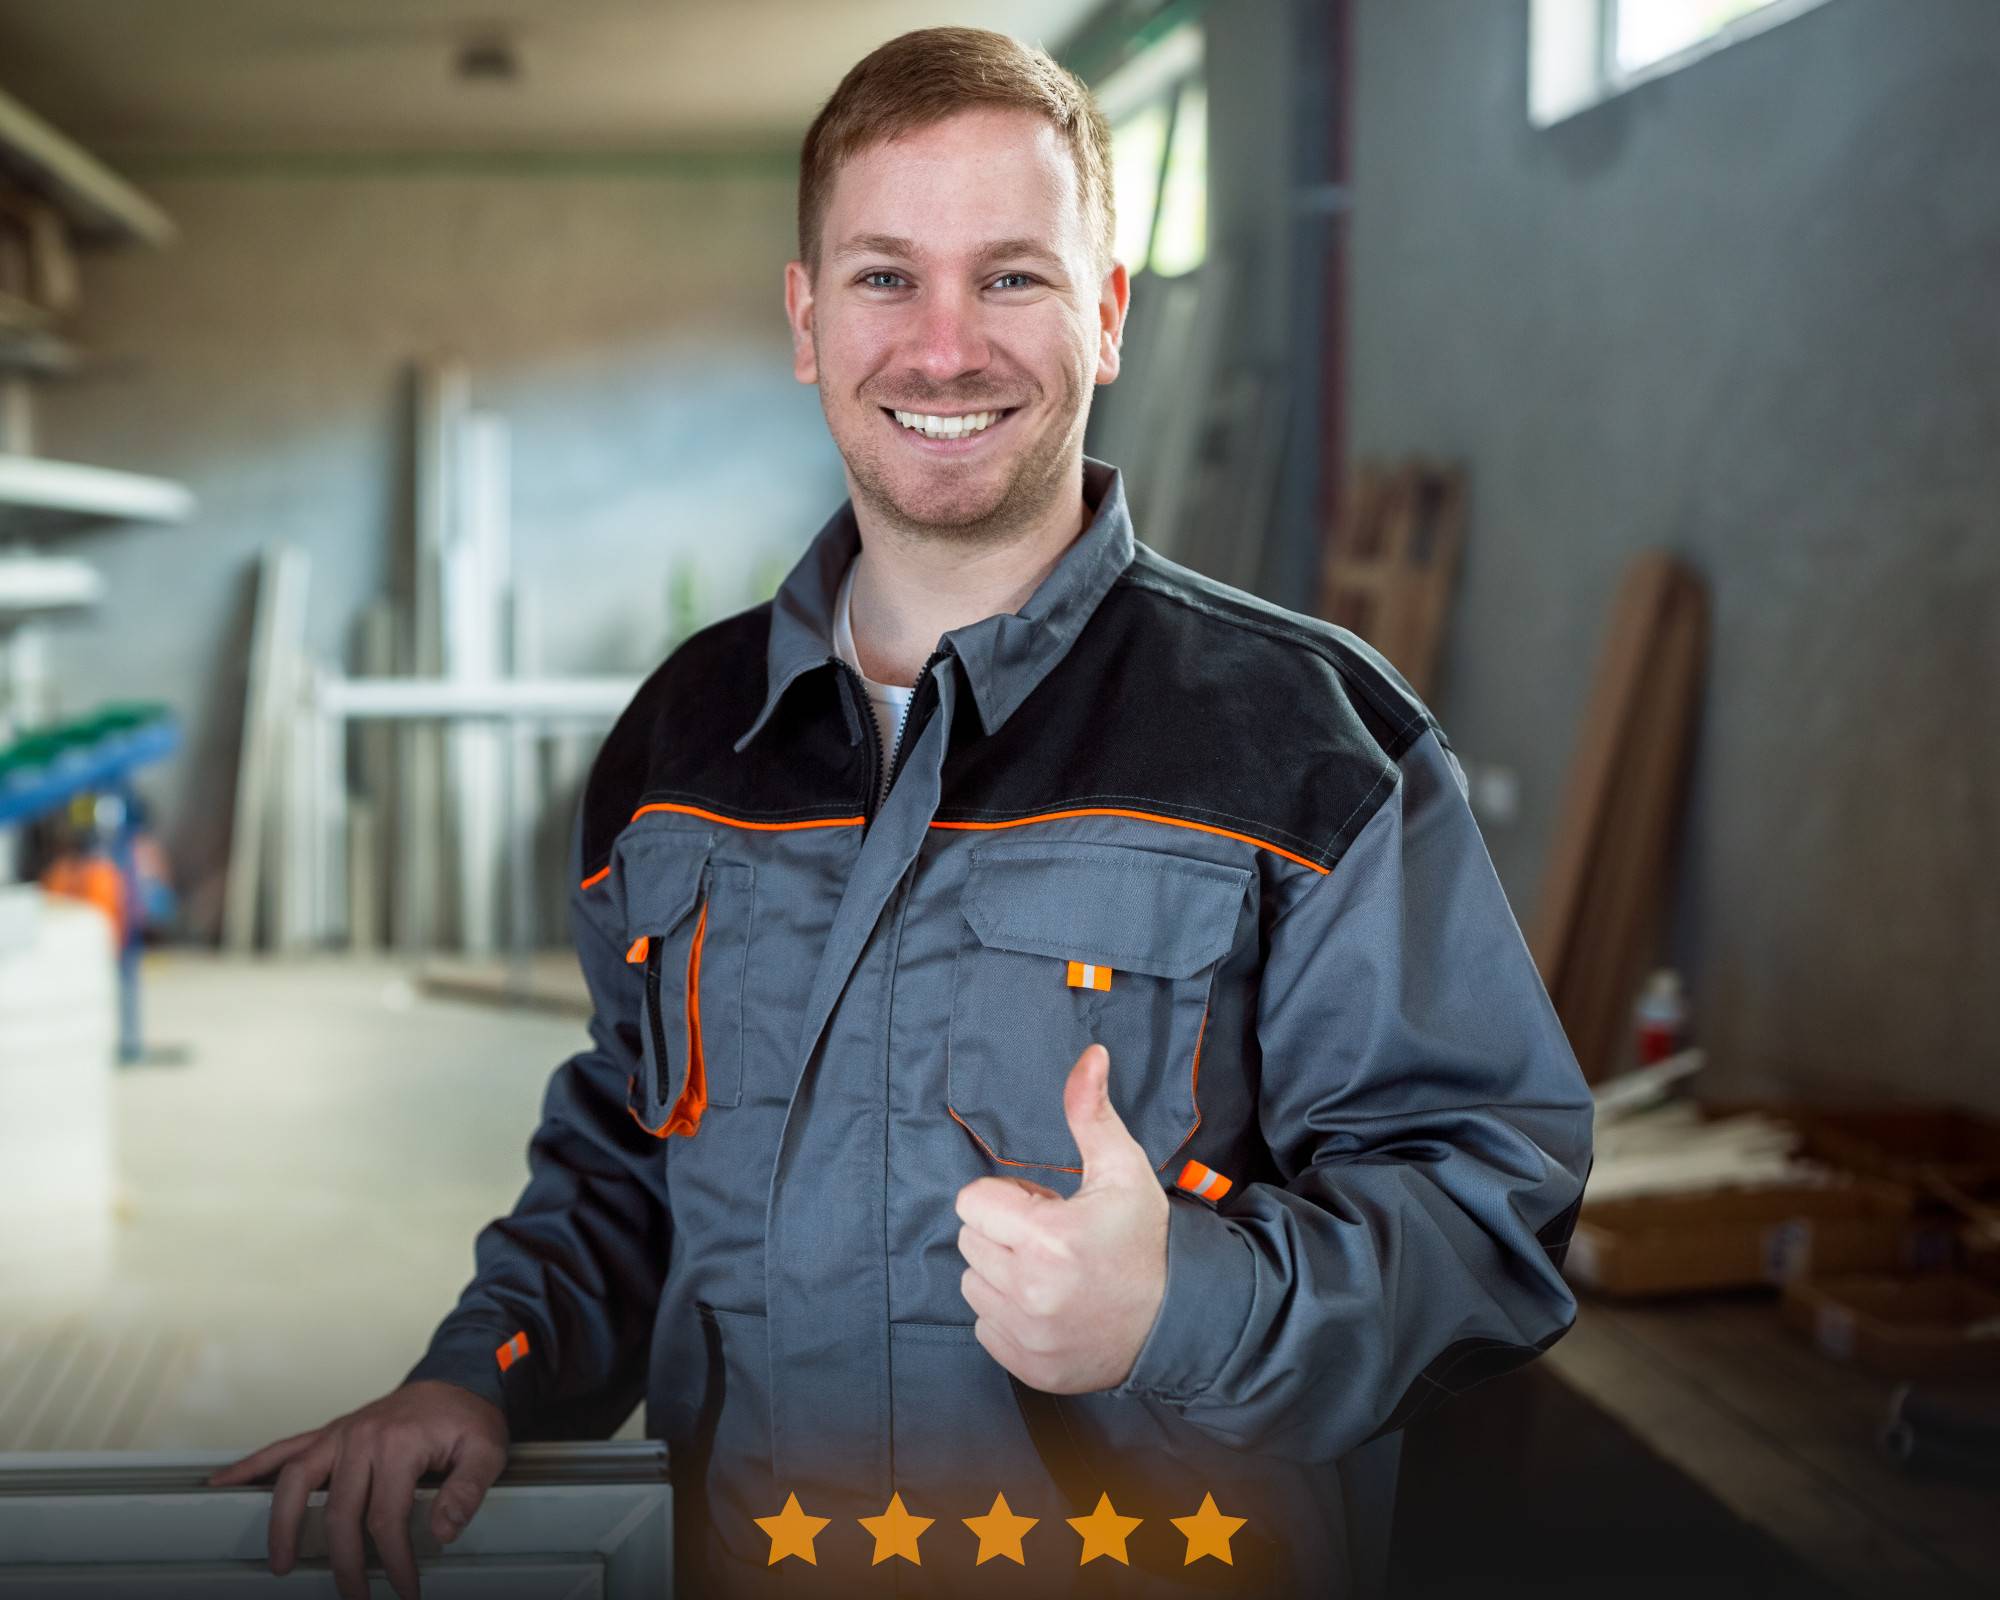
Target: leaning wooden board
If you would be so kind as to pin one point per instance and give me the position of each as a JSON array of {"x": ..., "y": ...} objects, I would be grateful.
[
  {"x": 1619, "y": 930},
  {"x": 1587, "y": 793},
  {"x": 1606, "y": 886}
]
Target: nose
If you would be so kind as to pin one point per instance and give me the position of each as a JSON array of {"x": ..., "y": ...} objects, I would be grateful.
[{"x": 949, "y": 338}]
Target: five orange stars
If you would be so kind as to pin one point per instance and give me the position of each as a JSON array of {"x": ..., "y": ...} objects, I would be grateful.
[{"x": 1000, "y": 1532}]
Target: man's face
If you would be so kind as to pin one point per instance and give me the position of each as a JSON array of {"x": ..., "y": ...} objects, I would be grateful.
[{"x": 957, "y": 278}]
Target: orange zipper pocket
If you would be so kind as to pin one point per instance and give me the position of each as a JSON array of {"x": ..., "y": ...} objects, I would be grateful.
[{"x": 685, "y": 1114}]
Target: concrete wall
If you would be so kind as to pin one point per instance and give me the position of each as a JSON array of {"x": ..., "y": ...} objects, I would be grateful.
[
  {"x": 628, "y": 320},
  {"x": 1748, "y": 312}
]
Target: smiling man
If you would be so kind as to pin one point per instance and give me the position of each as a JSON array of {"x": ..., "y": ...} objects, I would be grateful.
[{"x": 1066, "y": 1086}]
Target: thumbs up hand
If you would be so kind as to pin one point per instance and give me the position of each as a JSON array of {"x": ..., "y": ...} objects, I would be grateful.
[{"x": 1066, "y": 1290}]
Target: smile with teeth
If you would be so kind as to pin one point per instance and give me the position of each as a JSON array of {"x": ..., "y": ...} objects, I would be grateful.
[{"x": 948, "y": 427}]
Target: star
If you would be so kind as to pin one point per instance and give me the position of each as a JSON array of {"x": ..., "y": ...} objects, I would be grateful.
[
  {"x": 896, "y": 1532},
  {"x": 1000, "y": 1532},
  {"x": 1208, "y": 1532},
  {"x": 791, "y": 1532},
  {"x": 1104, "y": 1532}
]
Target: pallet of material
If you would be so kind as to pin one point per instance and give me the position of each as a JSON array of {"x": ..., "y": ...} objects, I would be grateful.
[
  {"x": 1664, "y": 1244},
  {"x": 1937, "y": 1325}
]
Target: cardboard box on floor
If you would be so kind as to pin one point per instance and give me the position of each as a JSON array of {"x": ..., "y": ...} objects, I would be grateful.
[
  {"x": 1739, "y": 1238},
  {"x": 1937, "y": 1325}
]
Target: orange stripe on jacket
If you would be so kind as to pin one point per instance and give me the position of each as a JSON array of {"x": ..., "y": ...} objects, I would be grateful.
[
  {"x": 1143, "y": 816},
  {"x": 604, "y": 872}
]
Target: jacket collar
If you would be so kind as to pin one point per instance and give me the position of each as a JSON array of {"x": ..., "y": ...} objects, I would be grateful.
[{"x": 1003, "y": 657}]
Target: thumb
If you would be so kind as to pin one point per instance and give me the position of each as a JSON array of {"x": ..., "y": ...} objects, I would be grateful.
[
  {"x": 1110, "y": 1153},
  {"x": 463, "y": 1492}
]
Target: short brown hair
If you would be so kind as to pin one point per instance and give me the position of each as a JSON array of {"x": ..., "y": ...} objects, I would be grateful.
[{"x": 924, "y": 77}]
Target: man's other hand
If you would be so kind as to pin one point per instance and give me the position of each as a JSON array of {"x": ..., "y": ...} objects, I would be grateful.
[
  {"x": 374, "y": 1457},
  {"x": 1066, "y": 1290}
]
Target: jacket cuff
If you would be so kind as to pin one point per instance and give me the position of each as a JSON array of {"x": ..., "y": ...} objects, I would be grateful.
[
  {"x": 1211, "y": 1282},
  {"x": 468, "y": 1354}
]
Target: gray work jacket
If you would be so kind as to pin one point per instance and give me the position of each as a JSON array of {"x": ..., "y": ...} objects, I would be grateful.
[{"x": 816, "y": 1020}]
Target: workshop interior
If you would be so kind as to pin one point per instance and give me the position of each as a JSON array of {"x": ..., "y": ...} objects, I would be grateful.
[{"x": 387, "y": 387}]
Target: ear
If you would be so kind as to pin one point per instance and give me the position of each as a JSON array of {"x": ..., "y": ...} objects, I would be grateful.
[
  {"x": 799, "y": 312},
  {"x": 1112, "y": 299}
]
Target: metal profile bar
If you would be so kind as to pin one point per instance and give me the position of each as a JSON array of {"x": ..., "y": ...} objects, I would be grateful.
[
  {"x": 504, "y": 700},
  {"x": 98, "y": 203}
]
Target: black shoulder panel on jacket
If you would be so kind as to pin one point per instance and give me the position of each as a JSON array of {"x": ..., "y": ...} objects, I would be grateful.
[
  {"x": 676, "y": 742},
  {"x": 1190, "y": 699}
]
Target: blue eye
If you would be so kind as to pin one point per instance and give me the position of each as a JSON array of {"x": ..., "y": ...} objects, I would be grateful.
[
  {"x": 1026, "y": 278},
  {"x": 884, "y": 273}
]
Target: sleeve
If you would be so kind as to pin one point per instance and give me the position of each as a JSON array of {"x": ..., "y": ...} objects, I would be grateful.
[
  {"x": 1435, "y": 1132},
  {"x": 578, "y": 1266}
]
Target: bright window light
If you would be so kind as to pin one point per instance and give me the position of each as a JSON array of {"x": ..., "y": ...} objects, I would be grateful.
[
  {"x": 1157, "y": 107},
  {"x": 1582, "y": 52},
  {"x": 1181, "y": 239},
  {"x": 1652, "y": 30},
  {"x": 1138, "y": 146}
]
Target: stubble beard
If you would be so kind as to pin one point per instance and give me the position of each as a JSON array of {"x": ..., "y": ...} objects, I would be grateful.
[{"x": 960, "y": 515}]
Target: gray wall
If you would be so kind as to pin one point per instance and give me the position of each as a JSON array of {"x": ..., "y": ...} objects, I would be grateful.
[
  {"x": 627, "y": 319},
  {"x": 1748, "y": 311}
]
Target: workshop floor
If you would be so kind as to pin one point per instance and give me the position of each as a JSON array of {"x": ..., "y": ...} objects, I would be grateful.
[{"x": 300, "y": 1179}]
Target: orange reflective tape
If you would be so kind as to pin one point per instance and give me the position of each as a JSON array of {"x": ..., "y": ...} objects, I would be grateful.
[
  {"x": 512, "y": 1351},
  {"x": 1203, "y": 1181},
  {"x": 1143, "y": 816},
  {"x": 595, "y": 878},
  {"x": 637, "y": 952},
  {"x": 1087, "y": 975}
]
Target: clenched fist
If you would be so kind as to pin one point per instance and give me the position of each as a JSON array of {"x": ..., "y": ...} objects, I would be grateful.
[{"x": 1066, "y": 1290}]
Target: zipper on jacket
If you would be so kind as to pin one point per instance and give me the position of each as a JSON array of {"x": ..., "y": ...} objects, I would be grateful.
[
  {"x": 909, "y": 716},
  {"x": 684, "y": 1115},
  {"x": 860, "y": 693},
  {"x": 878, "y": 789},
  {"x": 653, "y": 1023}
]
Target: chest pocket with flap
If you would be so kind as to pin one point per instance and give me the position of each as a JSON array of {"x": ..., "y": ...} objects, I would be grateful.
[
  {"x": 687, "y": 917},
  {"x": 1068, "y": 944}
]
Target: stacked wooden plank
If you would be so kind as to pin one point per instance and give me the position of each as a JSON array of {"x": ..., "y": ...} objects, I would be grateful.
[
  {"x": 1604, "y": 893},
  {"x": 1391, "y": 564}
]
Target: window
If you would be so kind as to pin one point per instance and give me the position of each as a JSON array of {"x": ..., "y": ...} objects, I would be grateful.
[
  {"x": 1157, "y": 106},
  {"x": 1581, "y": 52}
]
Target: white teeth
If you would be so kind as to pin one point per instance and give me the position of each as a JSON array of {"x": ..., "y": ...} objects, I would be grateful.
[{"x": 947, "y": 427}]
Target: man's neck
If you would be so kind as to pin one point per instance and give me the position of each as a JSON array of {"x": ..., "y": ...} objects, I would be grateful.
[{"x": 910, "y": 589}]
